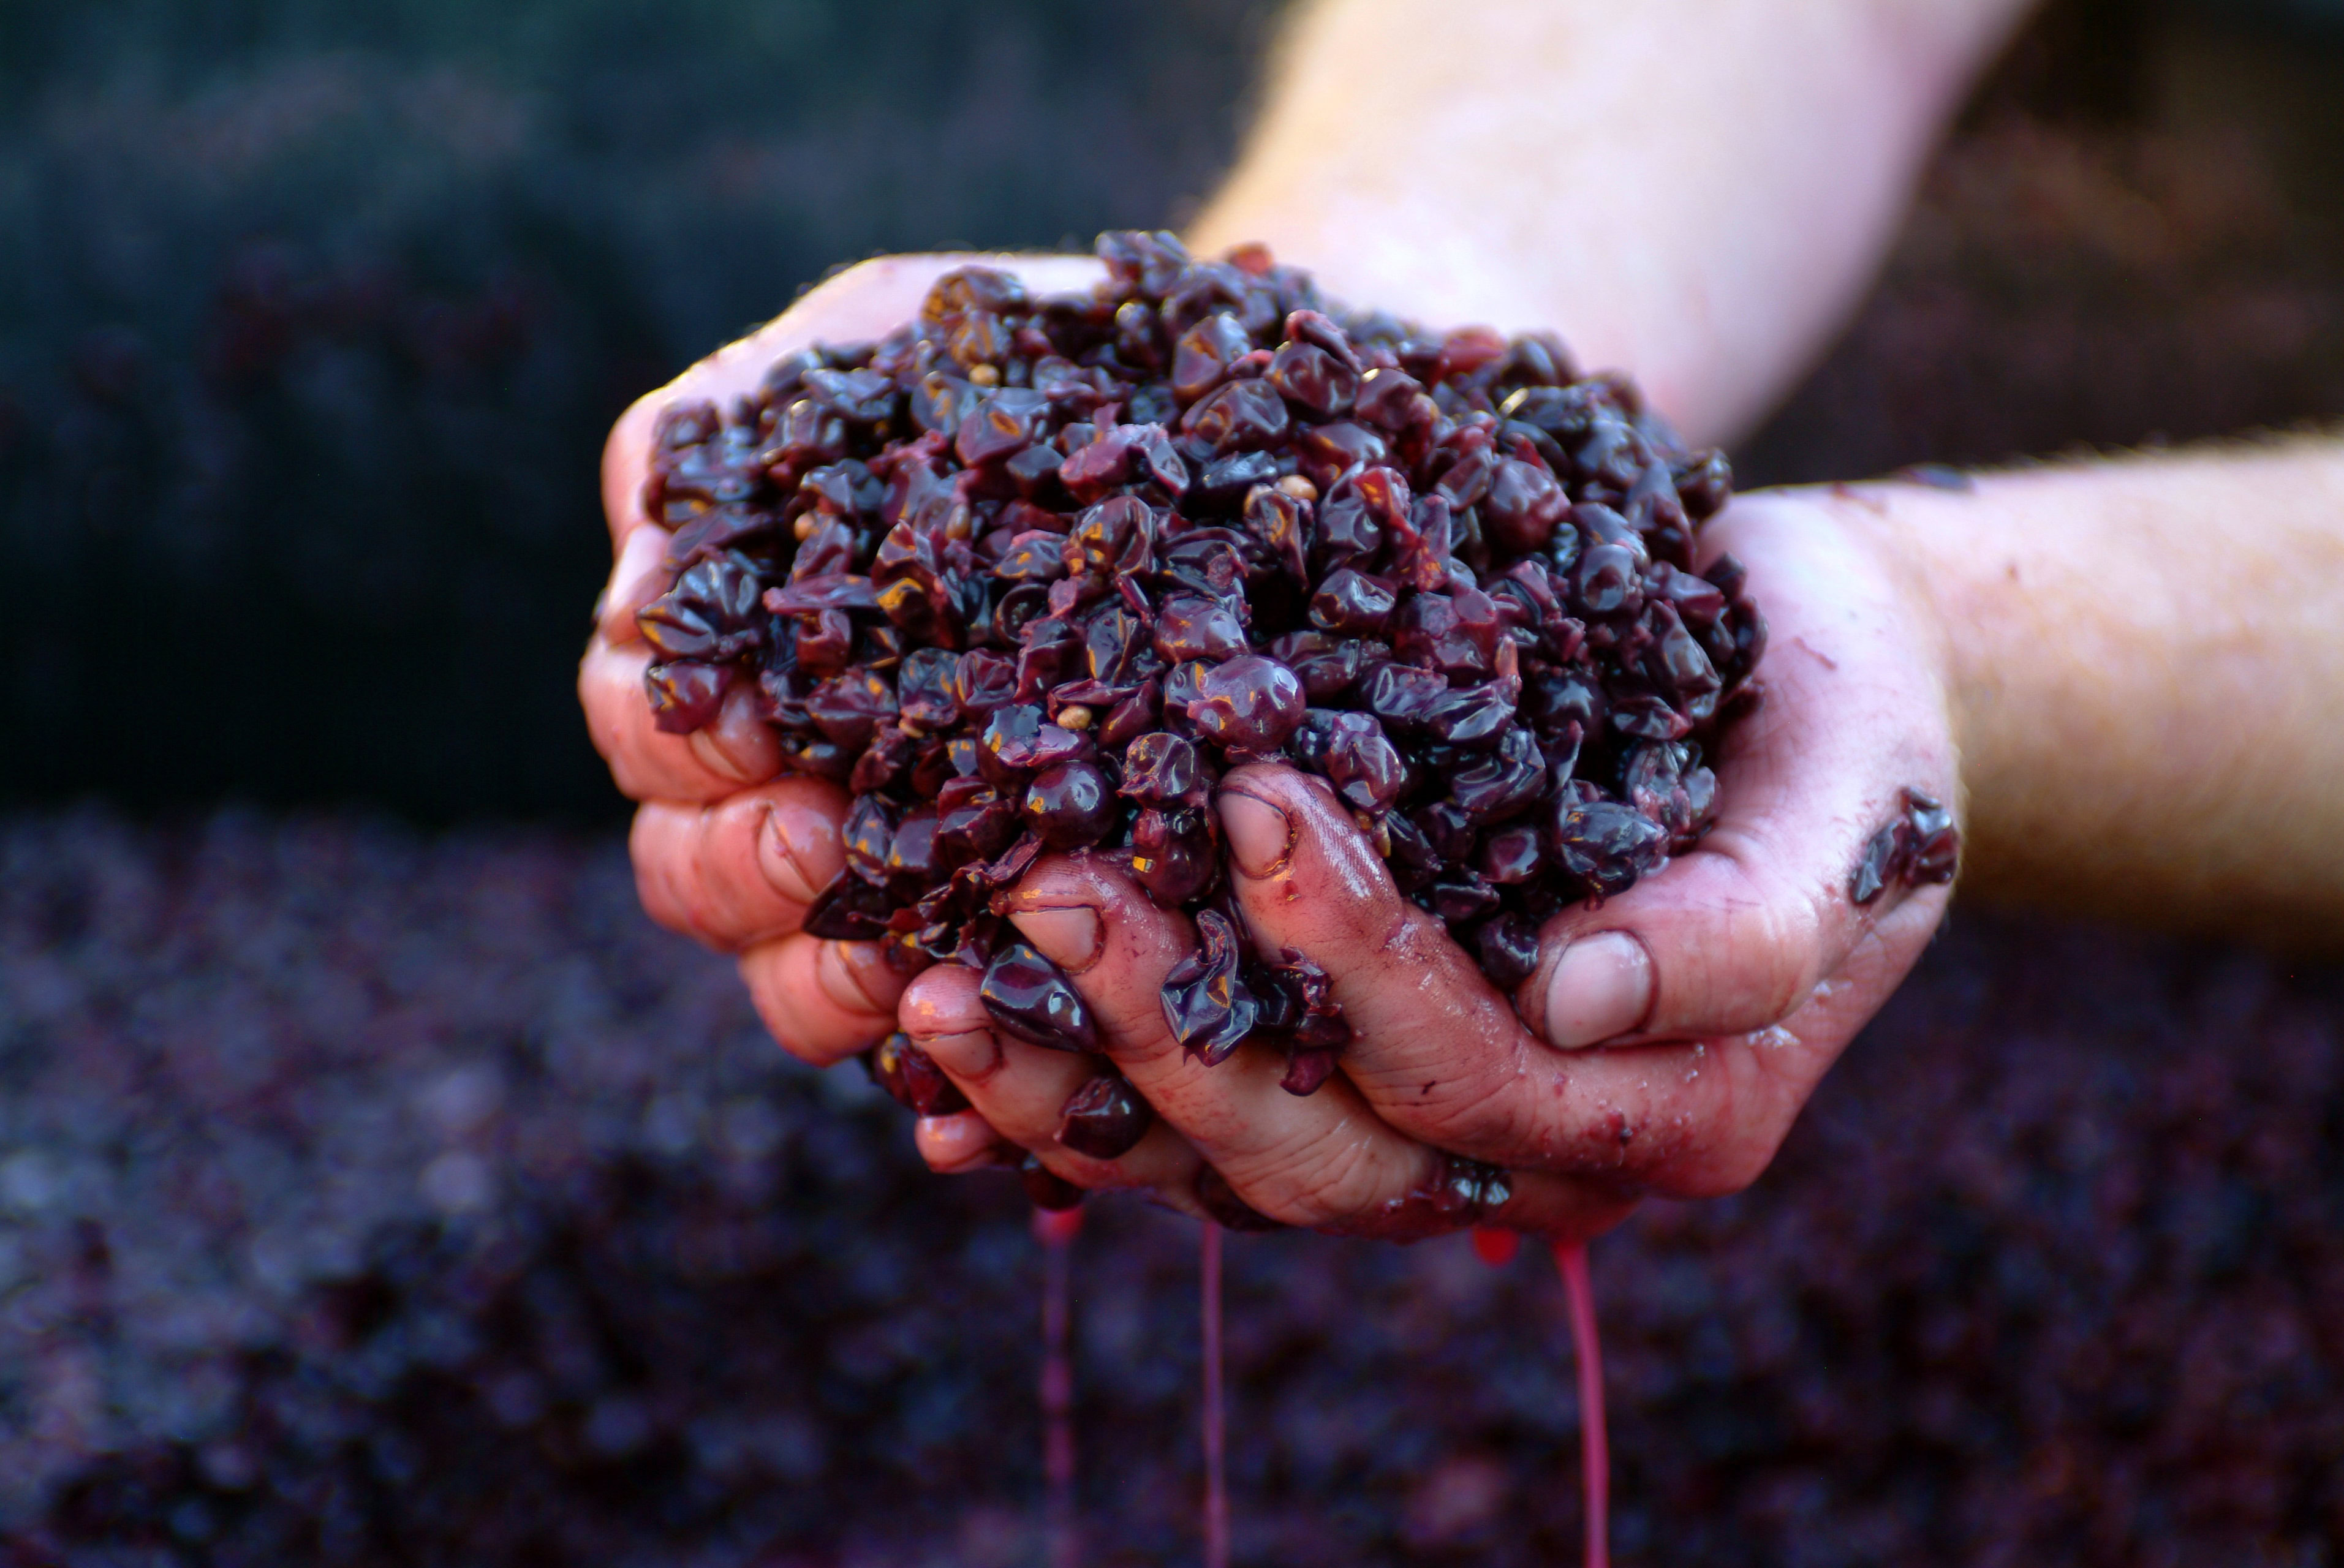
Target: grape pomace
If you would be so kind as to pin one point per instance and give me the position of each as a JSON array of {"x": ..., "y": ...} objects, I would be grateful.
[{"x": 1030, "y": 573}]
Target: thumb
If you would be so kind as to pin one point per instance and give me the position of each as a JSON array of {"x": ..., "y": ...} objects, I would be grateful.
[{"x": 1738, "y": 934}]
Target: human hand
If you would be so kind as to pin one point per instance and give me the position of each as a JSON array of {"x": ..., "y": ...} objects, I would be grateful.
[
  {"x": 726, "y": 847},
  {"x": 1666, "y": 1040}
]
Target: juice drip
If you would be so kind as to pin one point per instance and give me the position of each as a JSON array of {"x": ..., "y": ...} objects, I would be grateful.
[
  {"x": 1061, "y": 1542},
  {"x": 1594, "y": 1449},
  {"x": 1216, "y": 1489}
]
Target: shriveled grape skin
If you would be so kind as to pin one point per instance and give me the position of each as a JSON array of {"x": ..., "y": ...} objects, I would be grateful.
[{"x": 1030, "y": 576}]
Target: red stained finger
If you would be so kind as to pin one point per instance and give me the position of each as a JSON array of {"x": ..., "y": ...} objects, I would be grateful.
[
  {"x": 744, "y": 869},
  {"x": 637, "y": 576},
  {"x": 1436, "y": 1049},
  {"x": 1737, "y": 934},
  {"x": 1441, "y": 1057},
  {"x": 956, "y": 1145},
  {"x": 1319, "y": 1159},
  {"x": 822, "y": 1001},
  {"x": 734, "y": 752},
  {"x": 1022, "y": 1090}
]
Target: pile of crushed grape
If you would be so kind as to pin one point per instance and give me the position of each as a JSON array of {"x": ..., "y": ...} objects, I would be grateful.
[{"x": 1031, "y": 572}]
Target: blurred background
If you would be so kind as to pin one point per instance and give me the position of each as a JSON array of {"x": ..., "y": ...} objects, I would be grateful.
[{"x": 375, "y": 1187}]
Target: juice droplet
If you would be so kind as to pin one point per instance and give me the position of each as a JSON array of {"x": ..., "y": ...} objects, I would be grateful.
[{"x": 1496, "y": 1247}]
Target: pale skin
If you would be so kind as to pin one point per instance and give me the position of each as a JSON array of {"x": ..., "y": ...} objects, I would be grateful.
[{"x": 2119, "y": 673}]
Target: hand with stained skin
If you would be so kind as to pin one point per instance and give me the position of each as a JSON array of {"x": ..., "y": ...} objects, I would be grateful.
[
  {"x": 1667, "y": 1038},
  {"x": 1718, "y": 991},
  {"x": 726, "y": 847}
]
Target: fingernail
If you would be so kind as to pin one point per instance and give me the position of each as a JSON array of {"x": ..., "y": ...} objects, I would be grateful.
[
  {"x": 789, "y": 826},
  {"x": 1261, "y": 839},
  {"x": 1602, "y": 988},
  {"x": 975, "y": 1053},
  {"x": 849, "y": 973},
  {"x": 1069, "y": 935}
]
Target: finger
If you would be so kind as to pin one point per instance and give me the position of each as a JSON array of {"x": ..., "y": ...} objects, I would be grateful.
[
  {"x": 1737, "y": 934},
  {"x": 639, "y": 574},
  {"x": 1321, "y": 1159},
  {"x": 1704, "y": 1119},
  {"x": 738, "y": 749},
  {"x": 1022, "y": 1090},
  {"x": 1560, "y": 1208},
  {"x": 744, "y": 869},
  {"x": 1436, "y": 1052},
  {"x": 822, "y": 1000},
  {"x": 956, "y": 1145},
  {"x": 864, "y": 301}
]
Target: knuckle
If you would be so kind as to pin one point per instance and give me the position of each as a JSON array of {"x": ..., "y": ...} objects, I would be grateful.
[{"x": 1314, "y": 1182}]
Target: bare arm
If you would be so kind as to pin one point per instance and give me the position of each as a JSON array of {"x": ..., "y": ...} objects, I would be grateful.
[
  {"x": 2147, "y": 665},
  {"x": 1694, "y": 190}
]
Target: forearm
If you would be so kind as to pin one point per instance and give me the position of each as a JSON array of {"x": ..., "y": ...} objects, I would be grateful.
[
  {"x": 1691, "y": 190},
  {"x": 2146, "y": 668}
]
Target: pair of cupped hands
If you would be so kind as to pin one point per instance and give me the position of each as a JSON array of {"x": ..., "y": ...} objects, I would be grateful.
[{"x": 1664, "y": 1046}]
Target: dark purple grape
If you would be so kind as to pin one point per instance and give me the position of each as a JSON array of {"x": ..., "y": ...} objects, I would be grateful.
[
  {"x": 1357, "y": 514},
  {"x": 1104, "y": 1119},
  {"x": 1191, "y": 627},
  {"x": 1202, "y": 359},
  {"x": 1404, "y": 697},
  {"x": 1502, "y": 783},
  {"x": 1173, "y": 854},
  {"x": 686, "y": 695},
  {"x": 1070, "y": 806},
  {"x": 1607, "y": 845},
  {"x": 870, "y": 829},
  {"x": 1044, "y": 1188},
  {"x": 911, "y": 1076},
  {"x": 1352, "y": 604},
  {"x": 1161, "y": 770},
  {"x": 1207, "y": 1003},
  {"x": 1392, "y": 401},
  {"x": 1510, "y": 854},
  {"x": 1318, "y": 384},
  {"x": 914, "y": 859},
  {"x": 1242, "y": 416},
  {"x": 1876, "y": 867},
  {"x": 1362, "y": 764},
  {"x": 1508, "y": 947},
  {"x": 1251, "y": 704},
  {"x": 1522, "y": 506},
  {"x": 1921, "y": 846},
  {"x": 848, "y": 910},
  {"x": 1328, "y": 452},
  {"x": 1936, "y": 842},
  {"x": 1032, "y": 999}
]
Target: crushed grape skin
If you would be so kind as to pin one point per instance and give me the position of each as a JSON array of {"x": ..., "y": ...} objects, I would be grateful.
[
  {"x": 1920, "y": 846},
  {"x": 1032, "y": 573},
  {"x": 2044, "y": 1219}
]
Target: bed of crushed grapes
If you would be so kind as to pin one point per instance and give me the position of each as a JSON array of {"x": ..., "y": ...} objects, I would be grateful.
[{"x": 367, "y": 1197}]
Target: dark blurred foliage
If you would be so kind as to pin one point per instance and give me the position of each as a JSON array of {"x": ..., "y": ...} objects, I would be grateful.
[
  {"x": 368, "y": 1199},
  {"x": 313, "y": 315}
]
